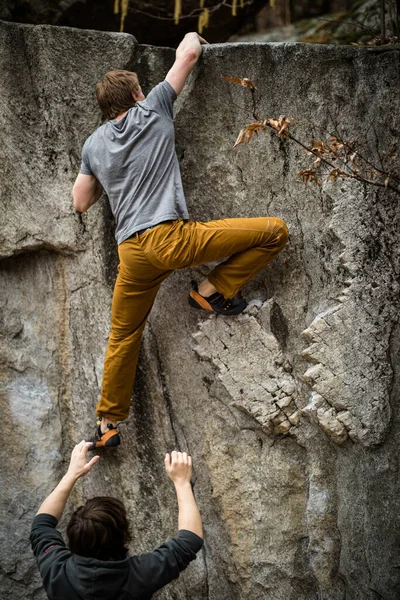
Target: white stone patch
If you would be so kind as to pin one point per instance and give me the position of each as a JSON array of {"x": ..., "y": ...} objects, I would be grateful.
[
  {"x": 319, "y": 501},
  {"x": 350, "y": 385},
  {"x": 34, "y": 416},
  {"x": 29, "y": 400},
  {"x": 252, "y": 367}
]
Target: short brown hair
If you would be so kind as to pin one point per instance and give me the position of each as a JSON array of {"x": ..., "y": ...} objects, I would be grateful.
[
  {"x": 114, "y": 92},
  {"x": 99, "y": 529}
]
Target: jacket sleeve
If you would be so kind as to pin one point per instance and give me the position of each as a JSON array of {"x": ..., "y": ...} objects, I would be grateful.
[
  {"x": 162, "y": 98},
  {"x": 44, "y": 534},
  {"x": 48, "y": 547},
  {"x": 153, "y": 570}
]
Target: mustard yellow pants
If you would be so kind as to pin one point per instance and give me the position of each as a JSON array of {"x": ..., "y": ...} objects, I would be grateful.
[{"x": 148, "y": 258}]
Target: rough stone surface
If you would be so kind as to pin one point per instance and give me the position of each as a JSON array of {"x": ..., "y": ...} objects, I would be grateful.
[
  {"x": 290, "y": 410},
  {"x": 264, "y": 389}
]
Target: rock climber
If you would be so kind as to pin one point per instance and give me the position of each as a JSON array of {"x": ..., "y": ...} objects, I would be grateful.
[
  {"x": 96, "y": 561},
  {"x": 132, "y": 158}
]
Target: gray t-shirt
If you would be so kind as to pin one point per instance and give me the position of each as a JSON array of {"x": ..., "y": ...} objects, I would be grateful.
[{"x": 135, "y": 161}]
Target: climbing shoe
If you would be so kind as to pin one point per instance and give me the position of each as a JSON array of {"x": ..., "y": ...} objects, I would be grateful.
[
  {"x": 107, "y": 439},
  {"x": 216, "y": 302}
]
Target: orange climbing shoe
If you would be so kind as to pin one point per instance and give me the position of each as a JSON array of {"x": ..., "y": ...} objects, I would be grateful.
[
  {"x": 107, "y": 439},
  {"x": 216, "y": 302}
]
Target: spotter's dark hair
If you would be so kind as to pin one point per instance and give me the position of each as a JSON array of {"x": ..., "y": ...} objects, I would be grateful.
[{"x": 99, "y": 529}]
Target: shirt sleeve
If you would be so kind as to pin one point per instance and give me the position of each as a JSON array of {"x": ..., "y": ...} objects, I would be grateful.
[
  {"x": 85, "y": 164},
  {"x": 162, "y": 98},
  {"x": 153, "y": 570}
]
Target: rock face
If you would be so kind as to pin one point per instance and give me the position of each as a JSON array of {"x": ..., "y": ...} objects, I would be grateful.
[{"x": 290, "y": 411}]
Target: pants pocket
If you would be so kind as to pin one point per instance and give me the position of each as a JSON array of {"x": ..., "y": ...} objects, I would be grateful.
[{"x": 169, "y": 248}]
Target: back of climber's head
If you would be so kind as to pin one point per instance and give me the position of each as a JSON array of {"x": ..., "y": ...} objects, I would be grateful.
[
  {"x": 99, "y": 529},
  {"x": 117, "y": 92}
]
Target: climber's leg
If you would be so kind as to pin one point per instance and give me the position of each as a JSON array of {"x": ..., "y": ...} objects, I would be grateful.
[
  {"x": 135, "y": 290},
  {"x": 250, "y": 245}
]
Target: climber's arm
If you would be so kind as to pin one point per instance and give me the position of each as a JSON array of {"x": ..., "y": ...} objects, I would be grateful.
[
  {"x": 86, "y": 191},
  {"x": 55, "y": 502},
  {"x": 187, "y": 55},
  {"x": 178, "y": 466}
]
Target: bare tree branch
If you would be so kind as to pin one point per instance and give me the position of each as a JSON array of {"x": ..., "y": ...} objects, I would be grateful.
[
  {"x": 341, "y": 151},
  {"x": 194, "y": 14}
]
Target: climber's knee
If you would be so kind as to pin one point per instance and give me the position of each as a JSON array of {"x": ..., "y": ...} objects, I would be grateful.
[{"x": 282, "y": 233}]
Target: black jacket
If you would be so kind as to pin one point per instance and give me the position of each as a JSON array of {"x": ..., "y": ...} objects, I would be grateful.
[{"x": 67, "y": 576}]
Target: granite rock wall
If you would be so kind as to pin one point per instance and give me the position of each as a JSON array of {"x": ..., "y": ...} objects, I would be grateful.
[{"x": 290, "y": 410}]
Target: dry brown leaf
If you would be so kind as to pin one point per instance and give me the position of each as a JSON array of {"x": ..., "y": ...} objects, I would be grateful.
[
  {"x": 352, "y": 158},
  {"x": 246, "y": 133},
  {"x": 319, "y": 148},
  {"x": 372, "y": 174},
  {"x": 244, "y": 82},
  {"x": 309, "y": 175},
  {"x": 240, "y": 137},
  {"x": 281, "y": 125},
  {"x": 335, "y": 145},
  {"x": 274, "y": 123},
  {"x": 335, "y": 173}
]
